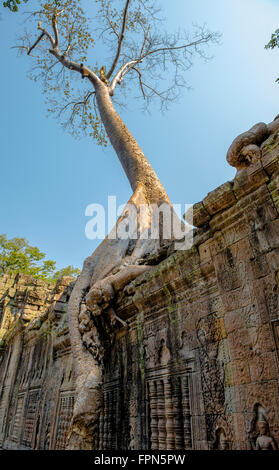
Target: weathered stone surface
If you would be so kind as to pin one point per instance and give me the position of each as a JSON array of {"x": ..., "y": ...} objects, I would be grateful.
[
  {"x": 191, "y": 358},
  {"x": 270, "y": 153},
  {"x": 197, "y": 215},
  {"x": 219, "y": 199},
  {"x": 249, "y": 179}
]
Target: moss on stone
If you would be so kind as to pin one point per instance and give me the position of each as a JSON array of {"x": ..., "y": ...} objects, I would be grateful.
[{"x": 140, "y": 337}]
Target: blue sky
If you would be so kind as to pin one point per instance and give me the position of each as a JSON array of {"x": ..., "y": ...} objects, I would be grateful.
[{"x": 48, "y": 178}]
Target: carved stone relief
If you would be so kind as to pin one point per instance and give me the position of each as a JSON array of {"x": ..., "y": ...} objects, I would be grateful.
[
  {"x": 109, "y": 420},
  {"x": 221, "y": 442},
  {"x": 30, "y": 421},
  {"x": 168, "y": 412},
  {"x": 64, "y": 416},
  {"x": 17, "y": 419},
  {"x": 259, "y": 435}
]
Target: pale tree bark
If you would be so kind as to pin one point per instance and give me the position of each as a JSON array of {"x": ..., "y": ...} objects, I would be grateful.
[
  {"x": 95, "y": 279},
  {"x": 134, "y": 162},
  {"x": 116, "y": 261}
]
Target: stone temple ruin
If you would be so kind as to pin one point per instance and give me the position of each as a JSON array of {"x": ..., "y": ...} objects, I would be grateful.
[{"x": 193, "y": 363}]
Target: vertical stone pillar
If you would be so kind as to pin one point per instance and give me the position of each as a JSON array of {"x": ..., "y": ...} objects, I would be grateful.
[
  {"x": 161, "y": 414},
  {"x": 178, "y": 425},
  {"x": 109, "y": 419},
  {"x": 105, "y": 436},
  {"x": 113, "y": 417},
  {"x": 186, "y": 413},
  {"x": 101, "y": 430},
  {"x": 170, "y": 439},
  {"x": 154, "y": 416}
]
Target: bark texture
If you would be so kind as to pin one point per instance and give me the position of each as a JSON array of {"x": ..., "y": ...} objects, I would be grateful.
[
  {"x": 245, "y": 149},
  {"x": 109, "y": 268},
  {"x": 134, "y": 162}
]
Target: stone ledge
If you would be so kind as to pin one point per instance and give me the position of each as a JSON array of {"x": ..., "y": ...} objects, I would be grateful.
[
  {"x": 270, "y": 152},
  {"x": 219, "y": 199},
  {"x": 197, "y": 215},
  {"x": 245, "y": 182}
]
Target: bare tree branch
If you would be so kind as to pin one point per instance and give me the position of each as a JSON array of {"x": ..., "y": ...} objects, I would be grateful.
[
  {"x": 76, "y": 104},
  {"x": 110, "y": 21},
  {"x": 147, "y": 59},
  {"x": 52, "y": 41},
  {"x": 67, "y": 50},
  {"x": 55, "y": 30},
  {"x": 121, "y": 73},
  {"x": 120, "y": 40},
  {"x": 69, "y": 64},
  {"x": 140, "y": 81},
  {"x": 144, "y": 42},
  {"x": 35, "y": 44},
  {"x": 200, "y": 41}
]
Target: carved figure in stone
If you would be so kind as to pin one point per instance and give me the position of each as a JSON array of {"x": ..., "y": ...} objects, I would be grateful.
[
  {"x": 212, "y": 373},
  {"x": 221, "y": 442},
  {"x": 259, "y": 435},
  {"x": 163, "y": 353},
  {"x": 264, "y": 440},
  {"x": 132, "y": 440},
  {"x": 245, "y": 149}
]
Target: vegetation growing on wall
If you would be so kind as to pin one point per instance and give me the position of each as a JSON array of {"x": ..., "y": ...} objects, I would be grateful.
[{"x": 17, "y": 256}]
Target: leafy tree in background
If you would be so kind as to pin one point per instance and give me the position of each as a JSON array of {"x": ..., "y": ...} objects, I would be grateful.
[
  {"x": 68, "y": 271},
  {"x": 273, "y": 43},
  {"x": 13, "y": 4},
  {"x": 17, "y": 256}
]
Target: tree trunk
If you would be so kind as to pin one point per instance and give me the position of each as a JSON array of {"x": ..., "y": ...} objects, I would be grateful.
[
  {"x": 135, "y": 164},
  {"x": 110, "y": 253}
]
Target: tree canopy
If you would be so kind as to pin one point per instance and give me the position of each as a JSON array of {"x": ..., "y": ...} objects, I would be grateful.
[
  {"x": 13, "y": 4},
  {"x": 17, "y": 256},
  {"x": 123, "y": 42}
]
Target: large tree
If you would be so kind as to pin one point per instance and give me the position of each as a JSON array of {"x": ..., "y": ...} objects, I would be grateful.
[
  {"x": 18, "y": 256},
  {"x": 119, "y": 52}
]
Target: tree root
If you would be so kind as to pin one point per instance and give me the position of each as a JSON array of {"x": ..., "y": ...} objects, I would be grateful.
[
  {"x": 245, "y": 149},
  {"x": 102, "y": 292},
  {"x": 109, "y": 269}
]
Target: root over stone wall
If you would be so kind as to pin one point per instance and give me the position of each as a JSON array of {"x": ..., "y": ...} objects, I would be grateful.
[{"x": 195, "y": 367}]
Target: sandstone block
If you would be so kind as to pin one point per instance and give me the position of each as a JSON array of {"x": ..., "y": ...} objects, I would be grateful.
[
  {"x": 198, "y": 215},
  {"x": 220, "y": 199}
]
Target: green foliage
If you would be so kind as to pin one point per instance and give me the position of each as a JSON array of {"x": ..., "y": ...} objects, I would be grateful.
[
  {"x": 274, "y": 42},
  {"x": 114, "y": 39},
  {"x": 17, "y": 256},
  {"x": 13, "y": 4},
  {"x": 72, "y": 103},
  {"x": 68, "y": 271}
]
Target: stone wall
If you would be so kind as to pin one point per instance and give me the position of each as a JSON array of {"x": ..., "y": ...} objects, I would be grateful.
[
  {"x": 37, "y": 393},
  {"x": 196, "y": 367}
]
